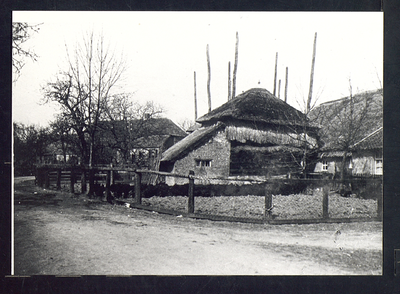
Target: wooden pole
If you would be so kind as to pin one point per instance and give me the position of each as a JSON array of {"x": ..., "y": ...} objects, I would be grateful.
[
  {"x": 268, "y": 201},
  {"x": 47, "y": 179},
  {"x": 83, "y": 181},
  {"x": 380, "y": 206},
  {"x": 91, "y": 182},
  {"x": 276, "y": 72},
  {"x": 279, "y": 89},
  {"x": 195, "y": 98},
  {"x": 235, "y": 67},
  {"x": 138, "y": 182},
  {"x": 286, "y": 85},
  {"x": 59, "y": 179},
  {"x": 108, "y": 184},
  {"x": 191, "y": 193},
  {"x": 312, "y": 75},
  {"x": 72, "y": 181},
  {"x": 229, "y": 82},
  {"x": 209, "y": 79},
  {"x": 112, "y": 180},
  {"x": 325, "y": 201},
  {"x": 41, "y": 177}
]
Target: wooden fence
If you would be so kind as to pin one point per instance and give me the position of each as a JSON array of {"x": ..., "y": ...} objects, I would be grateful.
[{"x": 55, "y": 175}]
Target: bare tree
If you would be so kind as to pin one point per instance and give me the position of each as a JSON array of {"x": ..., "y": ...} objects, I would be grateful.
[
  {"x": 21, "y": 32},
  {"x": 30, "y": 147},
  {"x": 64, "y": 138},
  {"x": 126, "y": 122},
  {"x": 84, "y": 90}
]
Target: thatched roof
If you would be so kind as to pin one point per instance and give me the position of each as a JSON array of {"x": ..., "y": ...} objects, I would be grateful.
[
  {"x": 188, "y": 143},
  {"x": 256, "y": 105}
]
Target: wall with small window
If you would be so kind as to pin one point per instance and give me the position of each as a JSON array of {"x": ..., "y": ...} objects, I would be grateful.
[
  {"x": 209, "y": 160},
  {"x": 367, "y": 162},
  {"x": 328, "y": 165}
]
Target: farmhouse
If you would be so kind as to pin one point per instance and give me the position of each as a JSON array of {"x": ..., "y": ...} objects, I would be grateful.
[
  {"x": 160, "y": 134},
  {"x": 254, "y": 134},
  {"x": 352, "y": 135}
]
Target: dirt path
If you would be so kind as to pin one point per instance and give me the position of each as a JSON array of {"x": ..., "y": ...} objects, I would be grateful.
[{"x": 62, "y": 234}]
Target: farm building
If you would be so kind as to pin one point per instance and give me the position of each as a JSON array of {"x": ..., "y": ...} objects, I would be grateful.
[
  {"x": 254, "y": 134},
  {"x": 161, "y": 134},
  {"x": 352, "y": 135},
  {"x": 148, "y": 139}
]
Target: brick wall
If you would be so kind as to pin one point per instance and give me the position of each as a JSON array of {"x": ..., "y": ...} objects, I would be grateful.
[{"x": 217, "y": 149}]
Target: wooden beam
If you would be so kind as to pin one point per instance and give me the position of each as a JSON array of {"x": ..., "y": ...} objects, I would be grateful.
[
  {"x": 276, "y": 72},
  {"x": 279, "y": 89},
  {"x": 229, "y": 82},
  {"x": 209, "y": 79},
  {"x": 138, "y": 182},
  {"x": 286, "y": 84},
  {"x": 191, "y": 193},
  {"x": 195, "y": 98},
  {"x": 311, "y": 75},
  {"x": 235, "y": 67}
]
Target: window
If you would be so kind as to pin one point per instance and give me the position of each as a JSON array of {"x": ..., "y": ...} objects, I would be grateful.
[
  {"x": 203, "y": 162},
  {"x": 324, "y": 165},
  {"x": 378, "y": 166}
]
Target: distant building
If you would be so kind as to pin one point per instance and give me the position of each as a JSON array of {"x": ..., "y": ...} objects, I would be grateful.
[
  {"x": 149, "y": 138},
  {"x": 363, "y": 156}
]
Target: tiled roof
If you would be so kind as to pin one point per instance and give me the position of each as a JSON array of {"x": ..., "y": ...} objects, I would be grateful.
[{"x": 372, "y": 141}]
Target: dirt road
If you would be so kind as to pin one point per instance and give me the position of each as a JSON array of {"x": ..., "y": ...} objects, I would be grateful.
[{"x": 63, "y": 234}]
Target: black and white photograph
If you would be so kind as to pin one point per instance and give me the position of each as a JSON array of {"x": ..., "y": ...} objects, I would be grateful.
[{"x": 197, "y": 143}]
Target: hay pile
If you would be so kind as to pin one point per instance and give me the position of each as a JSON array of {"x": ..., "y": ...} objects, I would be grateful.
[{"x": 296, "y": 206}]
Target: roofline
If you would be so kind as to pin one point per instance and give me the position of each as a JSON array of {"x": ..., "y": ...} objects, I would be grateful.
[
  {"x": 368, "y": 136},
  {"x": 347, "y": 97}
]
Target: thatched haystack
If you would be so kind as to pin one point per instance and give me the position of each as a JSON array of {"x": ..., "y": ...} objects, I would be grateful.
[{"x": 253, "y": 134}]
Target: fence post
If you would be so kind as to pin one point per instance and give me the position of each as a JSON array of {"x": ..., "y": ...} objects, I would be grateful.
[
  {"x": 72, "y": 181},
  {"x": 138, "y": 182},
  {"x": 108, "y": 180},
  {"x": 191, "y": 192},
  {"x": 112, "y": 180},
  {"x": 39, "y": 172},
  {"x": 325, "y": 200},
  {"x": 380, "y": 206},
  {"x": 47, "y": 178},
  {"x": 91, "y": 182},
  {"x": 268, "y": 202},
  {"x": 83, "y": 180},
  {"x": 59, "y": 179}
]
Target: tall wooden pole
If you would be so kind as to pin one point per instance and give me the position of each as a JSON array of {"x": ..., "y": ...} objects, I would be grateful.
[
  {"x": 311, "y": 75},
  {"x": 235, "y": 66},
  {"x": 195, "y": 98},
  {"x": 286, "y": 84},
  {"x": 279, "y": 89},
  {"x": 276, "y": 71},
  {"x": 209, "y": 79},
  {"x": 229, "y": 81},
  {"x": 191, "y": 193}
]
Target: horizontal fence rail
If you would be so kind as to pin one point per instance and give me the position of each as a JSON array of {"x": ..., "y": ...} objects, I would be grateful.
[{"x": 64, "y": 176}]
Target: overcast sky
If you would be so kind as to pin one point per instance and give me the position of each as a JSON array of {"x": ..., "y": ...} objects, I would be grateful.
[{"x": 163, "y": 49}]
